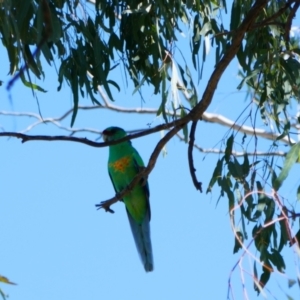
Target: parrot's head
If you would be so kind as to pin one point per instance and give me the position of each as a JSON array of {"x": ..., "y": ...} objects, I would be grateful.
[{"x": 113, "y": 133}]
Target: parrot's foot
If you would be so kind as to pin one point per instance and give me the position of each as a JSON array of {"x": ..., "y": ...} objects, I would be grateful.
[{"x": 106, "y": 205}]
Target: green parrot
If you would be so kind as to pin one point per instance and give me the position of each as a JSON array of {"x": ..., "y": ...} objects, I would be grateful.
[{"x": 124, "y": 163}]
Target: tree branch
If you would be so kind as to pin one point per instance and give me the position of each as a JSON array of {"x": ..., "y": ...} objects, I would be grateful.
[
  {"x": 288, "y": 24},
  {"x": 270, "y": 20},
  {"x": 197, "y": 184},
  {"x": 234, "y": 153},
  {"x": 212, "y": 118},
  {"x": 207, "y": 117},
  {"x": 26, "y": 138}
]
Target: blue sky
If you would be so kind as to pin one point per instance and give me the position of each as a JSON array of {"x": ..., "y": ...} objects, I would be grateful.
[{"x": 56, "y": 245}]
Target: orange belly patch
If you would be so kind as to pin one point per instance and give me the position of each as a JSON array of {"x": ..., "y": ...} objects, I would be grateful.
[{"x": 121, "y": 164}]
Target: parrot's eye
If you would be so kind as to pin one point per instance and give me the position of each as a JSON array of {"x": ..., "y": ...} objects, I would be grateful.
[{"x": 109, "y": 132}]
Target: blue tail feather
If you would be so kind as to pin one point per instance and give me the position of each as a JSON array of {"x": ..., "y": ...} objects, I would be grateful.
[{"x": 141, "y": 234}]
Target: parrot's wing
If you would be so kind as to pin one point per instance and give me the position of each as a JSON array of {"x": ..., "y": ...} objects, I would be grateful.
[{"x": 140, "y": 164}]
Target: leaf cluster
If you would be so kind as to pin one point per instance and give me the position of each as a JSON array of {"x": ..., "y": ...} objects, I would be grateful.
[
  {"x": 89, "y": 41},
  {"x": 246, "y": 195}
]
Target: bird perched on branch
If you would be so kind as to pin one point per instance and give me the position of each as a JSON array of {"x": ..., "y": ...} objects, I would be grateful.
[{"x": 124, "y": 163}]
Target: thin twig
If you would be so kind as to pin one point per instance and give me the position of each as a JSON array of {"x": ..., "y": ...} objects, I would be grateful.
[
  {"x": 197, "y": 184},
  {"x": 268, "y": 21},
  {"x": 234, "y": 153},
  {"x": 207, "y": 117},
  {"x": 213, "y": 118},
  {"x": 26, "y": 138}
]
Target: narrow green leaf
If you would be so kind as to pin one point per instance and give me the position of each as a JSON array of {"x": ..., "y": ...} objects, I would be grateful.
[
  {"x": 273, "y": 173},
  {"x": 243, "y": 213},
  {"x": 274, "y": 237},
  {"x": 246, "y": 165},
  {"x": 226, "y": 185},
  {"x": 284, "y": 231},
  {"x": 47, "y": 53},
  {"x": 114, "y": 84},
  {"x": 256, "y": 232},
  {"x": 242, "y": 58},
  {"x": 290, "y": 160},
  {"x": 6, "y": 280},
  {"x": 216, "y": 174},
  {"x": 12, "y": 52},
  {"x": 259, "y": 187},
  {"x": 270, "y": 209},
  {"x": 56, "y": 25},
  {"x": 298, "y": 193},
  {"x": 249, "y": 200},
  {"x": 31, "y": 85},
  {"x": 236, "y": 169},
  {"x": 139, "y": 85},
  {"x": 266, "y": 205},
  {"x": 277, "y": 260},
  {"x": 291, "y": 282},
  {"x": 114, "y": 43},
  {"x": 264, "y": 278},
  {"x": 2, "y": 295},
  {"x": 228, "y": 149},
  {"x": 196, "y": 40},
  {"x": 256, "y": 283},
  {"x": 295, "y": 239},
  {"x": 245, "y": 79},
  {"x": 235, "y": 15},
  {"x": 90, "y": 92},
  {"x": 164, "y": 93},
  {"x": 182, "y": 75},
  {"x": 61, "y": 74},
  {"x": 185, "y": 129},
  {"x": 74, "y": 86},
  {"x": 267, "y": 267},
  {"x": 238, "y": 241},
  {"x": 253, "y": 175},
  {"x": 31, "y": 63}
]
